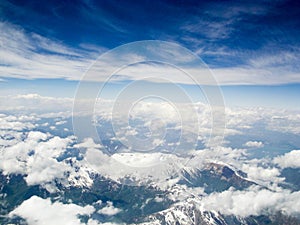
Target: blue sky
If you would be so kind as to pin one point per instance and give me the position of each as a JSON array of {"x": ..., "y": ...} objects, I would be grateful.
[{"x": 252, "y": 46}]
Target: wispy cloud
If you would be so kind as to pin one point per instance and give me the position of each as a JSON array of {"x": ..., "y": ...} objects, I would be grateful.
[
  {"x": 29, "y": 55},
  {"x": 97, "y": 15},
  {"x": 219, "y": 20}
]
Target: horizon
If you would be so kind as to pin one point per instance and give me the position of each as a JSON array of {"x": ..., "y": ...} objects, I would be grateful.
[
  {"x": 142, "y": 113},
  {"x": 252, "y": 68}
]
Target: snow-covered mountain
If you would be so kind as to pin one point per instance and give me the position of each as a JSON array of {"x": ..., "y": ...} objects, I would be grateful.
[{"x": 52, "y": 170}]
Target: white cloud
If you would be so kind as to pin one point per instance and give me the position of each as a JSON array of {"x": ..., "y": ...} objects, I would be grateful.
[
  {"x": 41, "y": 166},
  {"x": 36, "y": 136},
  {"x": 38, "y": 211},
  {"x": 252, "y": 202},
  {"x": 15, "y": 123},
  {"x": 290, "y": 159},
  {"x": 94, "y": 222},
  {"x": 254, "y": 76},
  {"x": 281, "y": 120},
  {"x": 35, "y": 103},
  {"x": 88, "y": 143},
  {"x": 109, "y": 210},
  {"x": 223, "y": 76},
  {"x": 266, "y": 176},
  {"x": 58, "y": 123},
  {"x": 284, "y": 121},
  {"x": 226, "y": 154},
  {"x": 34, "y": 154},
  {"x": 254, "y": 144},
  {"x": 13, "y": 137},
  {"x": 141, "y": 167},
  {"x": 29, "y": 55},
  {"x": 279, "y": 59}
]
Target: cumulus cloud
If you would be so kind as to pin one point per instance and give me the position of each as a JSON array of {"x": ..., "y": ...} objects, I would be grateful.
[
  {"x": 284, "y": 121},
  {"x": 252, "y": 202},
  {"x": 266, "y": 176},
  {"x": 35, "y": 155},
  {"x": 94, "y": 222},
  {"x": 280, "y": 120},
  {"x": 218, "y": 154},
  {"x": 88, "y": 143},
  {"x": 109, "y": 210},
  {"x": 38, "y": 211},
  {"x": 36, "y": 158},
  {"x": 254, "y": 144},
  {"x": 182, "y": 115},
  {"x": 11, "y": 122},
  {"x": 145, "y": 111},
  {"x": 30, "y": 103},
  {"x": 36, "y": 136},
  {"x": 290, "y": 159},
  {"x": 141, "y": 167}
]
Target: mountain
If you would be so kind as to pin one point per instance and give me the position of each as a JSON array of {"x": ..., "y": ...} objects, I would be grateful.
[
  {"x": 178, "y": 201},
  {"x": 215, "y": 177},
  {"x": 187, "y": 213}
]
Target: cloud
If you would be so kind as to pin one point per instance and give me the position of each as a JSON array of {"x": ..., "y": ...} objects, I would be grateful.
[
  {"x": 29, "y": 55},
  {"x": 164, "y": 114},
  {"x": 290, "y": 159},
  {"x": 285, "y": 121},
  {"x": 58, "y": 123},
  {"x": 280, "y": 120},
  {"x": 210, "y": 29},
  {"x": 266, "y": 176},
  {"x": 219, "y": 20},
  {"x": 252, "y": 202},
  {"x": 38, "y": 211},
  {"x": 36, "y": 136},
  {"x": 40, "y": 57},
  {"x": 35, "y": 103},
  {"x": 36, "y": 154},
  {"x": 234, "y": 75},
  {"x": 109, "y": 210},
  {"x": 245, "y": 75},
  {"x": 217, "y": 154},
  {"x": 15, "y": 123},
  {"x": 94, "y": 222},
  {"x": 278, "y": 60},
  {"x": 254, "y": 144},
  {"x": 42, "y": 166},
  {"x": 36, "y": 157},
  {"x": 132, "y": 167}
]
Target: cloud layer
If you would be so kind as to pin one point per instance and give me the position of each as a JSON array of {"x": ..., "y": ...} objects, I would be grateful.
[
  {"x": 37, "y": 146},
  {"x": 29, "y": 55}
]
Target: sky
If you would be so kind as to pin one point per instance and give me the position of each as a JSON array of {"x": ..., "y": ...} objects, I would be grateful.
[
  {"x": 243, "y": 52},
  {"x": 251, "y": 47}
]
